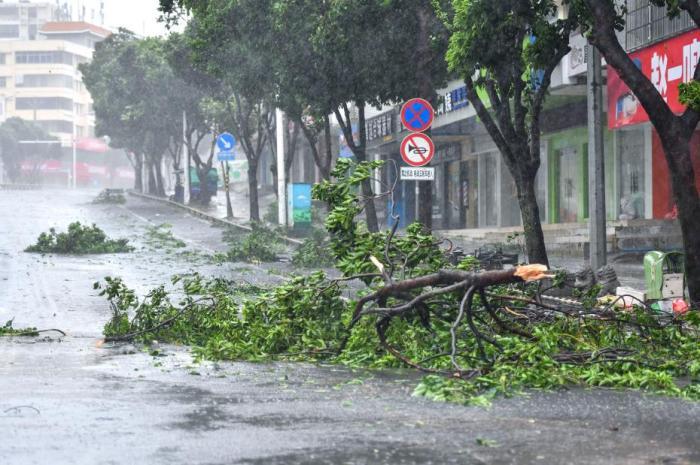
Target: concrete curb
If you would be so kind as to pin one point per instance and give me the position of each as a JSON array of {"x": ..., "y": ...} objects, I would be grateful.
[{"x": 198, "y": 213}]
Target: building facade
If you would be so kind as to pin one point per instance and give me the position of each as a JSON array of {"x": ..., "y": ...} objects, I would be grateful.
[
  {"x": 474, "y": 189},
  {"x": 40, "y": 80}
]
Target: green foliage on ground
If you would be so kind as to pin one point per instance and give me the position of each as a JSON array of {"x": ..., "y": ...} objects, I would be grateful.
[
  {"x": 161, "y": 237},
  {"x": 9, "y": 330},
  {"x": 262, "y": 244},
  {"x": 310, "y": 318},
  {"x": 314, "y": 252},
  {"x": 110, "y": 198},
  {"x": 78, "y": 240}
]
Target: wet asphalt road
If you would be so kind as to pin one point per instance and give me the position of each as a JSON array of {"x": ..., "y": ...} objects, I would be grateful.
[{"x": 70, "y": 401}]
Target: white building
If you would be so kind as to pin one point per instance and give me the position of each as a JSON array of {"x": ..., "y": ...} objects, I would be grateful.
[{"x": 40, "y": 80}]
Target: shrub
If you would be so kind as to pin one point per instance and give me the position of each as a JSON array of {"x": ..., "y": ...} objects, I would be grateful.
[{"x": 78, "y": 240}]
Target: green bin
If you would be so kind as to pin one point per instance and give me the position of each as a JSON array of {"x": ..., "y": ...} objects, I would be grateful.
[{"x": 662, "y": 272}]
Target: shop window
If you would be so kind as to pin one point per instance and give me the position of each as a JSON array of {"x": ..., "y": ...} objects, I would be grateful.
[
  {"x": 570, "y": 184},
  {"x": 510, "y": 208},
  {"x": 631, "y": 172},
  {"x": 488, "y": 201}
]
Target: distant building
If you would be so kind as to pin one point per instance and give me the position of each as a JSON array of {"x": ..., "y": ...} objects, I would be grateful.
[{"x": 40, "y": 81}]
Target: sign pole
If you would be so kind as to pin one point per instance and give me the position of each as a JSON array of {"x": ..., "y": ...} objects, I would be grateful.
[
  {"x": 281, "y": 175},
  {"x": 229, "y": 208},
  {"x": 596, "y": 162}
]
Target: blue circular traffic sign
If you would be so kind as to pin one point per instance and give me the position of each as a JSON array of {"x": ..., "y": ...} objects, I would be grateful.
[
  {"x": 225, "y": 142},
  {"x": 417, "y": 115}
]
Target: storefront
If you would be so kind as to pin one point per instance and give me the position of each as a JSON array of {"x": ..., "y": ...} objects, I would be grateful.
[{"x": 644, "y": 189}]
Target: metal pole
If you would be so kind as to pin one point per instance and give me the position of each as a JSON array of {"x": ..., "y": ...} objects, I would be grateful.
[
  {"x": 281, "y": 175},
  {"x": 75, "y": 150},
  {"x": 229, "y": 207},
  {"x": 186, "y": 196},
  {"x": 596, "y": 162}
]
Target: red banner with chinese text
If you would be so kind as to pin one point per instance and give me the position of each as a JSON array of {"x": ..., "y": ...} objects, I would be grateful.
[{"x": 666, "y": 64}]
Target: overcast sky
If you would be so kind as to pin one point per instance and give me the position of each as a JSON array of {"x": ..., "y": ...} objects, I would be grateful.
[{"x": 140, "y": 16}]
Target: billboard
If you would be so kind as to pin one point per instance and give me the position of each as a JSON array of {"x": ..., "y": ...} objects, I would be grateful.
[{"x": 666, "y": 64}]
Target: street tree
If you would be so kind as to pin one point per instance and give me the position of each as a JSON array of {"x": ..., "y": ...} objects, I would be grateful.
[
  {"x": 238, "y": 81},
  {"x": 506, "y": 52},
  {"x": 601, "y": 19},
  {"x": 135, "y": 95},
  {"x": 13, "y": 132}
]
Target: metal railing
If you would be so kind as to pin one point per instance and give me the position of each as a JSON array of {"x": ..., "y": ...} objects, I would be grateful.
[{"x": 647, "y": 24}]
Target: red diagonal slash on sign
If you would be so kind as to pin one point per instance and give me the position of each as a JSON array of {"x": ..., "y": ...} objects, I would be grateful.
[{"x": 415, "y": 154}]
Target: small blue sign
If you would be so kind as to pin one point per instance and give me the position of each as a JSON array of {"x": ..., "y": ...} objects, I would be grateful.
[
  {"x": 226, "y": 142},
  {"x": 226, "y": 156}
]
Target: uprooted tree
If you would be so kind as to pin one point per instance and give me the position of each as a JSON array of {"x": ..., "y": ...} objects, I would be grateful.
[
  {"x": 480, "y": 332},
  {"x": 601, "y": 19}
]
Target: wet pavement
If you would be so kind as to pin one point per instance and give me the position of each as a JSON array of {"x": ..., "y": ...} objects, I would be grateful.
[{"x": 72, "y": 401}]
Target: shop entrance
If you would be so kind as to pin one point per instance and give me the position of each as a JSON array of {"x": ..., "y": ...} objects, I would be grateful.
[{"x": 570, "y": 184}]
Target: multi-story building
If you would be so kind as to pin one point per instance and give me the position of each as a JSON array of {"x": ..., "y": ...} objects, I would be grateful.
[{"x": 40, "y": 81}]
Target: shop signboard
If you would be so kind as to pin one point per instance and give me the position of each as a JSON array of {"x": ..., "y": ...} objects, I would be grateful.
[
  {"x": 381, "y": 126},
  {"x": 666, "y": 64}
]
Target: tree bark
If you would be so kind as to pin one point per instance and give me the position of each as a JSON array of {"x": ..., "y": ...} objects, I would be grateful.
[
  {"x": 160, "y": 187},
  {"x": 674, "y": 131},
  {"x": 253, "y": 190},
  {"x": 138, "y": 172},
  {"x": 685, "y": 195},
  {"x": 532, "y": 226},
  {"x": 426, "y": 91}
]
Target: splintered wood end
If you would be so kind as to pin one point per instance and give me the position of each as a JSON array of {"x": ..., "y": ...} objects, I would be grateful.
[
  {"x": 377, "y": 263},
  {"x": 530, "y": 273}
]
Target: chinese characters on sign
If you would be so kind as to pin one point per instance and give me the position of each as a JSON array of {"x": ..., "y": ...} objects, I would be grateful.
[
  {"x": 666, "y": 64},
  {"x": 453, "y": 101},
  {"x": 380, "y": 126}
]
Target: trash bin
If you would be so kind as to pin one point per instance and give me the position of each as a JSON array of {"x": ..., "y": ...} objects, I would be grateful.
[
  {"x": 664, "y": 274},
  {"x": 180, "y": 193}
]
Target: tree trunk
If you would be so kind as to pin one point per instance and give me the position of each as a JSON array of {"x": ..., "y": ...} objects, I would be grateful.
[
  {"x": 530, "y": 213},
  {"x": 204, "y": 194},
  {"x": 253, "y": 191},
  {"x": 160, "y": 188},
  {"x": 138, "y": 172},
  {"x": 426, "y": 91},
  {"x": 152, "y": 188},
  {"x": 685, "y": 195},
  {"x": 326, "y": 170}
]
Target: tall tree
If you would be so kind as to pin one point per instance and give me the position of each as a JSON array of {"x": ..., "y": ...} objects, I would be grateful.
[
  {"x": 601, "y": 19},
  {"x": 506, "y": 52},
  {"x": 133, "y": 89}
]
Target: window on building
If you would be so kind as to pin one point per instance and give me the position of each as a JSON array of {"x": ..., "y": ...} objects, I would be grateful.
[
  {"x": 33, "y": 13},
  {"x": 43, "y": 103},
  {"x": 9, "y": 11},
  {"x": 3, "y": 81},
  {"x": 646, "y": 24},
  {"x": 632, "y": 180},
  {"x": 43, "y": 57},
  {"x": 9, "y": 31},
  {"x": 56, "y": 126},
  {"x": 45, "y": 80},
  {"x": 2, "y": 58}
]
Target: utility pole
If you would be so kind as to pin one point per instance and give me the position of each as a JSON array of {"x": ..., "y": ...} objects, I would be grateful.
[
  {"x": 186, "y": 195},
  {"x": 596, "y": 161},
  {"x": 281, "y": 175}
]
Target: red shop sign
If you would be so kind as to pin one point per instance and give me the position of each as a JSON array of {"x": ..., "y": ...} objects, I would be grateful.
[{"x": 666, "y": 64}]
